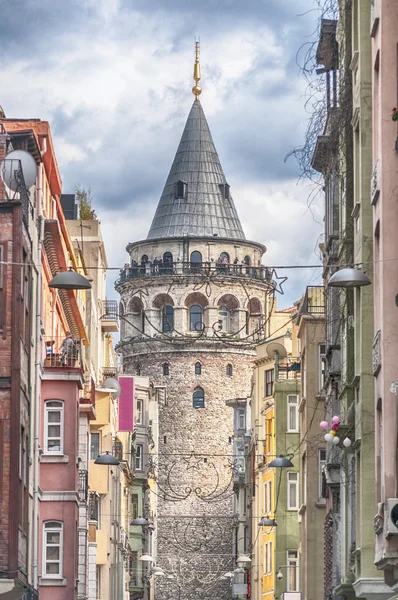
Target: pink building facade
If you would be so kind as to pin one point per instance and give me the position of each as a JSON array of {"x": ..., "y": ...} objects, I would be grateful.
[{"x": 384, "y": 185}]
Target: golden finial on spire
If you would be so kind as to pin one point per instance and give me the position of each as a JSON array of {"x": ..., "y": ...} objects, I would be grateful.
[{"x": 196, "y": 90}]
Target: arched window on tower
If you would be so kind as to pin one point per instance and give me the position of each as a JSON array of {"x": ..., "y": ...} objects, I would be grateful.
[
  {"x": 198, "y": 398},
  {"x": 229, "y": 370},
  {"x": 223, "y": 317},
  {"x": 167, "y": 319},
  {"x": 166, "y": 369},
  {"x": 167, "y": 266},
  {"x": 196, "y": 261},
  {"x": 138, "y": 369},
  {"x": 198, "y": 368},
  {"x": 196, "y": 318}
]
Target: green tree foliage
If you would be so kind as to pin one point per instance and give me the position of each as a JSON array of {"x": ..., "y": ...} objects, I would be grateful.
[{"x": 85, "y": 201}]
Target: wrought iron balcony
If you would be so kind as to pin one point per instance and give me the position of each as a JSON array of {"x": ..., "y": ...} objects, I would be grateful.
[
  {"x": 198, "y": 269},
  {"x": 288, "y": 368},
  {"x": 314, "y": 301},
  {"x": 109, "y": 317},
  {"x": 62, "y": 353},
  {"x": 83, "y": 484}
]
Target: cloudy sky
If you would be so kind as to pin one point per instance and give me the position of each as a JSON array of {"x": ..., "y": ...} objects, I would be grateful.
[{"x": 114, "y": 78}]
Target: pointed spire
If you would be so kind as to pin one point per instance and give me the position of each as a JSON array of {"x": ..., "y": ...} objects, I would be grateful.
[
  {"x": 196, "y": 90},
  {"x": 196, "y": 199}
]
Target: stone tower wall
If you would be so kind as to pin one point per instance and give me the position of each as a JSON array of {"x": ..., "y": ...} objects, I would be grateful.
[{"x": 195, "y": 466}]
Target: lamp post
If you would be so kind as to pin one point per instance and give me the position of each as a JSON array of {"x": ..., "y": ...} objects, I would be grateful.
[{"x": 106, "y": 459}]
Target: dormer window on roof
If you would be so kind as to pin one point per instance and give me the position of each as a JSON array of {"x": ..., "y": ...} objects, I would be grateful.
[
  {"x": 181, "y": 190},
  {"x": 224, "y": 187}
]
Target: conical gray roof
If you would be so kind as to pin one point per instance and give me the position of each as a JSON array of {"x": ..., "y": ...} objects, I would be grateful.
[{"x": 204, "y": 210}]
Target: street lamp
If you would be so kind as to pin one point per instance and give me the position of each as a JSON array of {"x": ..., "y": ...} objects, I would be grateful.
[
  {"x": 106, "y": 459},
  {"x": 281, "y": 462},
  {"x": 139, "y": 521},
  {"x": 267, "y": 522},
  {"x": 69, "y": 280},
  {"x": 348, "y": 278}
]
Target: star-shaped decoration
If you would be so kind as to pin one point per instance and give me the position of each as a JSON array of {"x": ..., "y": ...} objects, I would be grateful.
[{"x": 278, "y": 282}]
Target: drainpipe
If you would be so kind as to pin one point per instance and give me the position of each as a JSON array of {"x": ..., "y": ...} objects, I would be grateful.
[{"x": 36, "y": 404}]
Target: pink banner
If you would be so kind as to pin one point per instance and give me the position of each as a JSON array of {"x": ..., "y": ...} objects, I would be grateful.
[{"x": 126, "y": 403}]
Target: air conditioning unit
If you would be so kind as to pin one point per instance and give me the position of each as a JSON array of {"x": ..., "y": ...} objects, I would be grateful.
[{"x": 391, "y": 516}]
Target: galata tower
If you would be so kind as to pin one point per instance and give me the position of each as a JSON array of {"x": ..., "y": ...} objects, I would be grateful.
[{"x": 194, "y": 300}]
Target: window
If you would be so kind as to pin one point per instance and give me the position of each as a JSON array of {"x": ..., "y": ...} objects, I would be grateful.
[
  {"x": 52, "y": 549},
  {"x": 181, "y": 190},
  {"x": 224, "y": 257},
  {"x": 133, "y": 568},
  {"x": 139, "y": 411},
  {"x": 321, "y": 467},
  {"x": 166, "y": 369},
  {"x": 292, "y": 413},
  {"x": 198, "y": 398},
  {"x": 268, "y": 497},
  {"x": 292, "y": 578},
  {"x": 322, "y": 366},
  {"x": 241, "y": 419},
  {"x": 95, "y": 445},
  {"x": 26, "y": 290},
  {"x": 246, "y": 260},
  {"x": 196, "y": 260},
  {"x": 134, "y": 505},
  {"x": 292, "y": 491},
  {"x": 269, "y": 382},
  {"x": 198, "y": 368},
  {"x": 53, "y": 427},
  {"x": 98, "y": 582},
  {"x": 167, "y": 266},
  {"x": 267, "y": 558},
  {"x": 223, "y": 317},
  {"x": 229, "y": 370},
  {"x": 195, "y": 318},
  {"x": 138, "y": 370},
  {"x": 167, "y": 319},
  {"x": 225, "y": 187},
  {"x": 138, "y": 457}
]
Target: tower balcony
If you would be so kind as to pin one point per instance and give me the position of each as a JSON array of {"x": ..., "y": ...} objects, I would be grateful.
[{"x": 195, "y": 270}]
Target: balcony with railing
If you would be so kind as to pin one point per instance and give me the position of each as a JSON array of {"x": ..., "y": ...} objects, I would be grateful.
[
  {"x": 63, "y": 353},
  {"x": 195, "y": 269},
  {"x": 83, "y": 485},
  {"x": 109, "y": 316},
  {"x": 314, "y": 301},
  {"x": 288, "y": 367}
]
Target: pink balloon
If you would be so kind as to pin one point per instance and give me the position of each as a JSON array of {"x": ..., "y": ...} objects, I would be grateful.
[
  {"x": 336, "y": 420},
  {"x": 324, "y": 425}
]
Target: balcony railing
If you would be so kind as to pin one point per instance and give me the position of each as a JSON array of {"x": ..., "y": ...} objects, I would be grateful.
[
  {"x": 109, "y": 310},
  {"x": 62, "y": 353},
  {"x": 109, "y": 372},
  {"x": 314, "y": 301},
  {"x": 288, "y": 368},
  {"x": 191, "y": 268},
  {"x": 83, "y": 484}
]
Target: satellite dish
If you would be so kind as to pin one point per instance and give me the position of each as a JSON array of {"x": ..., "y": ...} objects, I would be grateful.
[
  {"x": 112, "y": 384},
  {"x": 10, "y": 165},
  {"x": 277, "y": 347}
]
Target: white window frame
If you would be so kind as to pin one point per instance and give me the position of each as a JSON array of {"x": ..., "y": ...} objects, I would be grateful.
[
  {"x": 139, "y": 451},
  {"x": 322, "y": 365},
  {"x": 270, "y": 556},
  {"x": 269, "y": 494},
  {"x": 321, "y": 465},
  {"x": 139, "y": 411},
  {"x": 265, "y": 558},
  {"x": 96, "y": 433},
  {"x": 292, "y": 562},
  {"x": 292, "y": 480},
  {"x": 292, "y": 408},
  {"x": 241, "y": 419},
  {"x": 48, "y": 409},
  {"x": 59, "y": 528}
]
